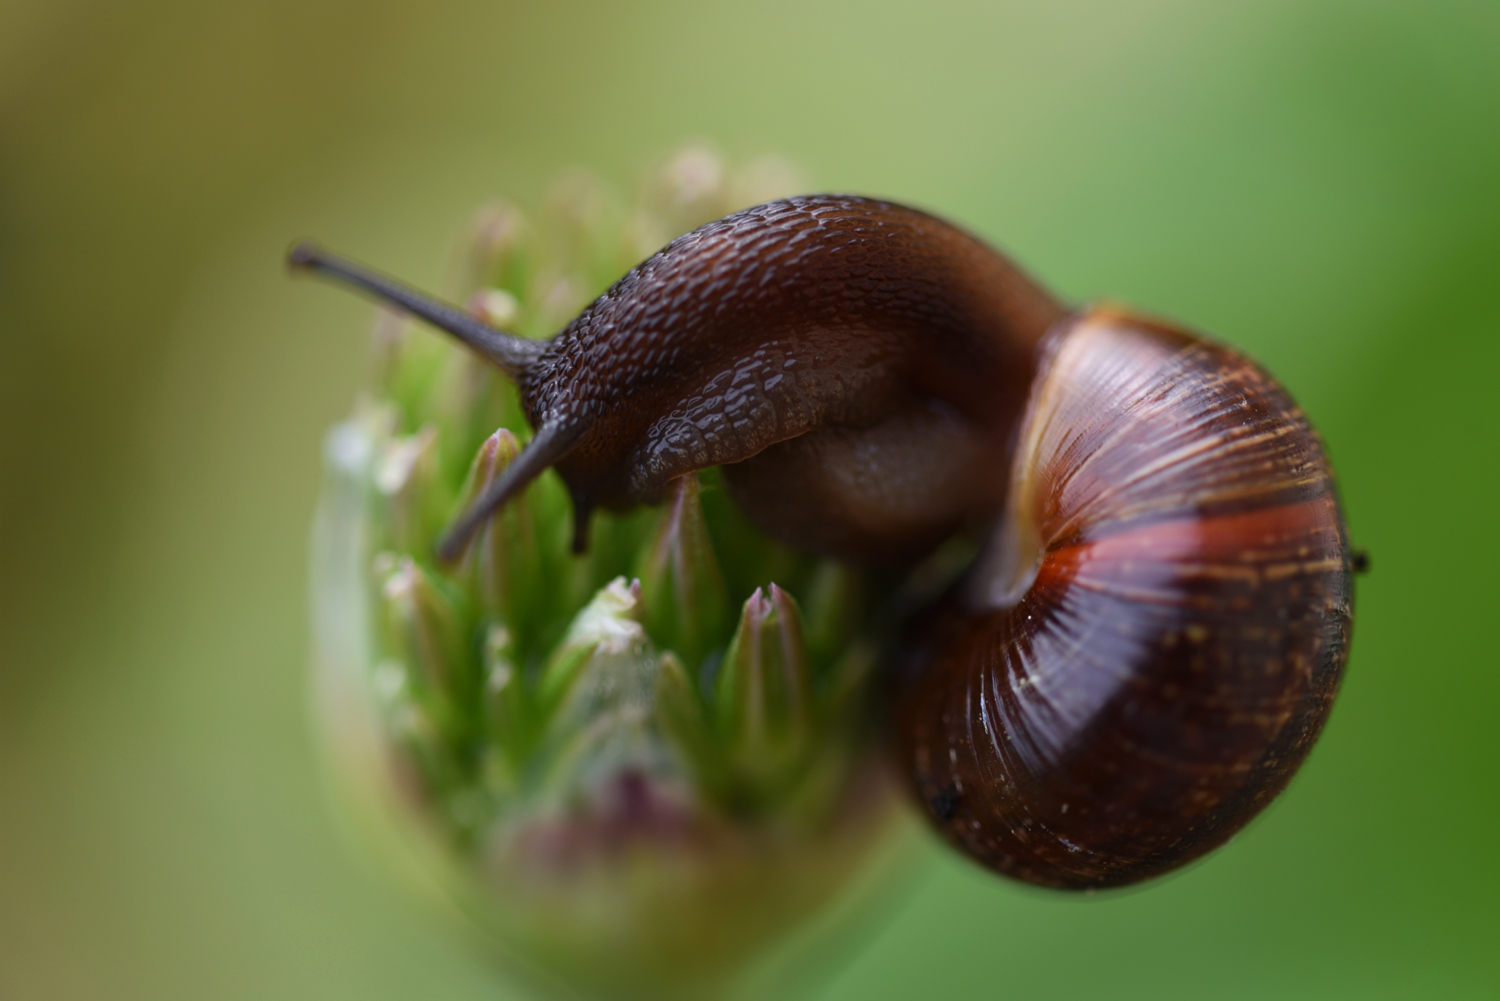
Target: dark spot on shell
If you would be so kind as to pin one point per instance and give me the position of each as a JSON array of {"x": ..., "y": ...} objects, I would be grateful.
[{"x": 944, "y": 803}]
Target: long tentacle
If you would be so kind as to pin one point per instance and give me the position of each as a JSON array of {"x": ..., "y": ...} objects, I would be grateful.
[{"x": 513, "y": 354}]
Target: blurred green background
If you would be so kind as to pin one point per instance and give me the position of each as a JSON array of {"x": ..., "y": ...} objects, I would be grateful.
[{"x": 1317, "y": 181}]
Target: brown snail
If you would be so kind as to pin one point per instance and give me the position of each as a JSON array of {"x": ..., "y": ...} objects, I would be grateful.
[{"x": 1152, "y": 638}]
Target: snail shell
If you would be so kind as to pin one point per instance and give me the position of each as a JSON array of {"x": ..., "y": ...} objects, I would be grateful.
[
  {"x": 1153, "y": 640},
  {"x": 1153, "y": 637}
]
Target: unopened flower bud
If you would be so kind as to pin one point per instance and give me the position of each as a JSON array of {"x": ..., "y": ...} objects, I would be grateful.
[
  {"x": 498, "y": 236},
  {"x": 683, "y": 590},
  {"x": 423, "y": 628},
  {"x": 635, "y": 793},
  {"x": 763, "y": 697},
  {"x": 406, "y": 475},
  {"x": 496, "y": 307}
]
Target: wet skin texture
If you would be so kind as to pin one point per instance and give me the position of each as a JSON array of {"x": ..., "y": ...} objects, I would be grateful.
[{"x": 867, "y": 327}]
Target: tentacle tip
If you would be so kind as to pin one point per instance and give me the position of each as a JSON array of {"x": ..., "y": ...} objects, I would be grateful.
[
  {"x": 452, "y": 545},
  {"x": 303, "y": 255}
]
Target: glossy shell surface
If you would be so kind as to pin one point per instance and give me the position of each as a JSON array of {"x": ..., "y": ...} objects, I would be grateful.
[{"x": 1151, "y": 645}]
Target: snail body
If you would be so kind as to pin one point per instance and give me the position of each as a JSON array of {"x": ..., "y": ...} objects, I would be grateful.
[
  {"x": 854, "y": 330},
  {"x": 1152, "y": 638},
  {"x": 836, "y": 318}
]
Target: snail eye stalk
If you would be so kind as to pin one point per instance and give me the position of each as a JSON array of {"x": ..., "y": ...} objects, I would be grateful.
[{"x": 513, "y": 355}]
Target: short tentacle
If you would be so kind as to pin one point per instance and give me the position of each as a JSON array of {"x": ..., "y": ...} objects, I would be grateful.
[{"x": 552, "y": 442}]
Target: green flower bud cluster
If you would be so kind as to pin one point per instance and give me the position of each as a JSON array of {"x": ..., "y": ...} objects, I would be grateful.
[{"x": 637, "y": 768}]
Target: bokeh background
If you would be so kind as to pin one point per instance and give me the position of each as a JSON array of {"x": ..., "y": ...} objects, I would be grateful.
[{"x": 1317, "y": 181}]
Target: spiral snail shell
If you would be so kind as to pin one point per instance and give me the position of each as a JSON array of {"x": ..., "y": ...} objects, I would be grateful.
[
  {"x": 1151, "y": 644},
  {"x": 1151, "y": 639}
]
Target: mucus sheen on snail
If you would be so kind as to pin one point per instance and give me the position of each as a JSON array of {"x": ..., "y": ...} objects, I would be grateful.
[{"x": 1151, "y": 639}]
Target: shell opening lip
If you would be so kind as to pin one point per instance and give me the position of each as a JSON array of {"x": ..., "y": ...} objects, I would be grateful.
[{"x": 1007, "y": 566}]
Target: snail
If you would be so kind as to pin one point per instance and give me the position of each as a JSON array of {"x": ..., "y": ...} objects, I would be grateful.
[{"x": 1152, "y": 636}]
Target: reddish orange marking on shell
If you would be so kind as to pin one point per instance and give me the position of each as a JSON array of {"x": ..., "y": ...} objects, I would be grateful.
[{"x": 1247, "y": 537}]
